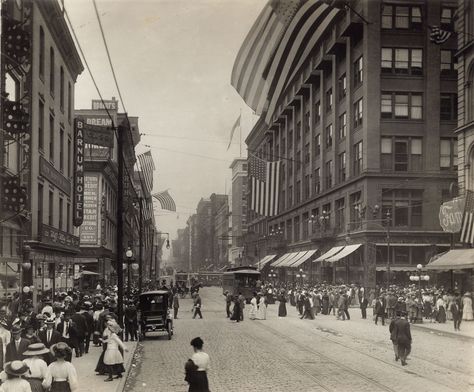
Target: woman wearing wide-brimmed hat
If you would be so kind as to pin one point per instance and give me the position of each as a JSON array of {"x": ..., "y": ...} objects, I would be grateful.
[
  {"x": 467, "y": 307},
  {"x": 14, "y": 383},
  {"x": 61, "y": 375},
  {"x": 113, "y": 358},
  {"x": 37, "y": 365}
]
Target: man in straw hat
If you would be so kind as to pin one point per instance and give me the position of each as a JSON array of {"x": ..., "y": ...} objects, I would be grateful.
[
  {"x": 17, "y": 345},
  {"x": 49, "y": 337}
]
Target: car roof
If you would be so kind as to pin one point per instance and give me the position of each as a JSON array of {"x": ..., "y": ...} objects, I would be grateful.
[{"x": 160, "y": 292}]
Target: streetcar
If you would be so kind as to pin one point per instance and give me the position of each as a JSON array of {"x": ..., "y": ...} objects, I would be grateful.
[
  {"x": 241, "y": 280},
  {"x": 210, "y": 279},
  {"x": 184, "y": 281}
]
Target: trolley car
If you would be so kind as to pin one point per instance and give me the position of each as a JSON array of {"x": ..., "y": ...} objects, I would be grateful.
[{"x": 241, "y": 280}]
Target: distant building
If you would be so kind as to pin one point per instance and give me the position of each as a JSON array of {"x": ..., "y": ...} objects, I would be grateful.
[{"x": 239, "y": 209}]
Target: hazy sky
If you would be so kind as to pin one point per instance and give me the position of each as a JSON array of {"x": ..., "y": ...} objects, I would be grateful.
[{"x": 173, "y": 60}]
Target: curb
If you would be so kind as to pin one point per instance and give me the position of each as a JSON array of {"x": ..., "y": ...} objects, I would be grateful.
[
  {"x": 439, "y": 332},
  {"x": 128, "y": 367}
]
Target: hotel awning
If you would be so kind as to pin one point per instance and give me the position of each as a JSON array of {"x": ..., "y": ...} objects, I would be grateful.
[
  {"x": 331, "y": 252},
  {"x": 344, "y": 253},
  {"x": 264, "y": 261},
  {"x": 292, "y": 259},
  {"x": 302, "y": 259},
  {"x": 283, "y": 258},
  {"x": 453, "y": 259}
]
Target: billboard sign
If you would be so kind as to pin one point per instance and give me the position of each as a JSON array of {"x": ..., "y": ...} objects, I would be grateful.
[
  {"x": 89, "y": 230},
  {"x": 78, "y": 202}
]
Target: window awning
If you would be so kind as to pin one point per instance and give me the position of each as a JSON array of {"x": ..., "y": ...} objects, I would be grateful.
[
  {"x": 291, "y": 260},
  {"x": 331, "y": 252},
  {"x": 343, "y": 253},
  {"x": 264, "y": 261},
  {"x": 302, "y": 259},
  {"x": 283, "y": 258},
  {"x": 453, "y": 259}
]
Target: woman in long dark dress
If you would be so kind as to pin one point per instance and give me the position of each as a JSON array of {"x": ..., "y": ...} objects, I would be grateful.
[
  {"x": 282, "y": 306},
  {"x": 236, "y": 310},
  {"x": 325, "y": 302}
]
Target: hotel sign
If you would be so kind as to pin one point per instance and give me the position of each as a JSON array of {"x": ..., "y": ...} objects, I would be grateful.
[{"x": 78, "y": 206}]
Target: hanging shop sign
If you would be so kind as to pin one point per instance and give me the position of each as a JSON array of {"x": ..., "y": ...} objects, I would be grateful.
[
  {"x": 78, "y": 206},
  {"x": 89, "y": 230},
  {"x": 109, "y": 104},
  {"x": 48, "y": 171},
  {"x": 58, "y": 238},
  {"x": 451, "y": 213},
  {"x": 98, "y": 135}
]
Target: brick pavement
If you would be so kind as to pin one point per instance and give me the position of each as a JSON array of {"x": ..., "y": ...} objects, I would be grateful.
[{"x": 281, "y": 354}]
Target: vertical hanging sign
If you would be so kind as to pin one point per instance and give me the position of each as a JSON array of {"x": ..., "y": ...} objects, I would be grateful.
[{"x": 78, "y": 206}]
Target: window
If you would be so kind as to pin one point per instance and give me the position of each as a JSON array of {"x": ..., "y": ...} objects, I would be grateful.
[
  {"x": 283, "y": 146},
  {"x": 68, "y": 218},
  {"x": 448, "y": 63},
  {"x": 342, "y": 87},
  {"x": 326, "y": 216},
  {"x": 329, "y": 136},
  {"x": 51, "y": 71},
  {"x": 317, "y": 144},
  {"x": 401, "y": 154},
  {"x": 290, "y": 139},
  {"x": 61, "y": 205},
  {"x": 448, "y": 107},
  {"x": 447, "y": 18},
  {"x": 339, "y": 215},
  {"x": 290, "y": 196},
  {"x": 342, "y": 167},
  {"x": 307, "y": 122},
  {"x": 358, "y": 72},
  {"x": 69, "y": 102},
  {"x": 342, "y": 130},
  {"x": 317, "y": 112},
  {"x": 298, "y": 161},
  {"x": 401, "y": 105},
  {"x": 61, "y": 150},
  {"x": 358, "y": 113},
  {"x": 51, "y": 138},
  {"x": 329, "y": 100},
  {"x": 317, "y": 181},
  {"x": 51, "y": 208},
  {"x": 358, "y": 158},
  {"x": 328, "y": 174},
  {"x": 40, "y": 208},
  {"x": 355, "y": 212},
  {"x": 305, "y": 225},
  {"x": 298, "y": 132},
  {"x": 69, "y": 157},
  {"x": 61, "y": 88},
  {"x": 298, "y": 192},
  {"x": 402, "y": 61},
  {"x": 404, "y": 207},
  {"x": 469, "y": 94},
  {"x": 401, "y": 17},
  {"x": 448, "y": 154},
  {"x": 297, "y": 228},
  {"x": 40, "y": 125},
  {"x": 289, "y": 230},
  {"x": 306, "y": 187},
  {"x": 306, "y": 154},
  {"x": 41, "y": 53}
]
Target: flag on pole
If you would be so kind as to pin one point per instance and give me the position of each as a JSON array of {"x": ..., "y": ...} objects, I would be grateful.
[
  {"x": 439, "y": 35},
  {"x": 166, "y": 201},
  {"x": 147, "y": 167},
  {"x": 467, "y": 224},
  {"x": 264, "y": 186},
  {"x": 237, "y": 124}
]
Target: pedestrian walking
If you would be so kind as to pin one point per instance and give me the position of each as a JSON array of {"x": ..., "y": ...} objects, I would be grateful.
[
  {"x": 236, "y": 310},
  {"x": 14, "y": 382},
  {"x": 37, "y": 366},
  {"x": 175, "y": 305},
  {"x": 17, "y": 346},
  {"x": 228, "y": 302},
  {"x": 131, "y": 321},
  {"x": 242, "y": 306},
  {"x": 403, "y": 338},
  {"x": 253, "y": 307},
  {"x": 307, "y": 311},
  {"x": 196, "y": 368},
  {"x": 393, "y": 336},
  {"x": 380, "y": 311},
  {"x": 467, "y": 307},
  {"x": 61, "y": 375},
  {"x": 346, "y": 306},
  {"x": 363, "y": 307},
  {"x": 456, "y": 312},
  {"x": 262, "y": 308},
  {"x": 113, "y": 358},
  {"x": 282, "y": 306},
  {"x": 197, "y": 305}
]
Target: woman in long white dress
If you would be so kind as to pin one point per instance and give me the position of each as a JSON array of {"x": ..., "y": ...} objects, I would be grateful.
[
  {"x": 262, "y": 308},
  {"x": 253, "y": 307},
  {"x": 467, "y": 307}
]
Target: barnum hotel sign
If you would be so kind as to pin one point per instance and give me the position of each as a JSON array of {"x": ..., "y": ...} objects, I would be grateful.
[{"x": 78, "y": 206}]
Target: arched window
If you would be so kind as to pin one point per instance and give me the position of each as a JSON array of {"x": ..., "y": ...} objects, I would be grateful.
[{"x": 469, "y": 93}]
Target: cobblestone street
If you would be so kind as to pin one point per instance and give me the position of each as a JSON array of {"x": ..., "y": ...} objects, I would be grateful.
[{"x": 282, "y": 354}]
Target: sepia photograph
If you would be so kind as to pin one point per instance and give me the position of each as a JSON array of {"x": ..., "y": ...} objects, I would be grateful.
[{"x": 236, "y": 195}]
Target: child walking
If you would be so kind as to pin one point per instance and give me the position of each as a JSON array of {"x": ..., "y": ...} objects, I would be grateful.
[{"x": 113, "y": 358}]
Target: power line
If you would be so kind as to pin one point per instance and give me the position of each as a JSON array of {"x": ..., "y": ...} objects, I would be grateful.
[
  {"x": 186, "y": 153},
  {"x": 186, "y": 138}
]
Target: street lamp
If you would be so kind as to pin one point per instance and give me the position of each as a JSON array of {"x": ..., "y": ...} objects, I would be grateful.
[
  {"x": 418, "y": 278},
  {"x": 301, "y": 274},
  {"x": 272, "y": 275},
  {"x": 129, "y": 265}
]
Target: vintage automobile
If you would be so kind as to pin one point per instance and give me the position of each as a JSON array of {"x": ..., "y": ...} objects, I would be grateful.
[{"x": 154, "y": 313}]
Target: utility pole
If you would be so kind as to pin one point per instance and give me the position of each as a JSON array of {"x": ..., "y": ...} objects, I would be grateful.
[
  {"x": 119, "y": 250},
  {"x": 151, "y": 254},
  {"x": 140, "y": 250}
]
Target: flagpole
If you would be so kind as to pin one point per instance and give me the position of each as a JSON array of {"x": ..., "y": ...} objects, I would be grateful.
[{"x": 240, "y": 132}]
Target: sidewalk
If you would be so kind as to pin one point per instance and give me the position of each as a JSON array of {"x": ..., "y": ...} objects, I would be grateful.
[{"x": 88, "y": 381}]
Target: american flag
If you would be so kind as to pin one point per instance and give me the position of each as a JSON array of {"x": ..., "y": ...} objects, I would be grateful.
[
  {"x": 264, "y": 186},
  {"x": 439, "y": 35},
  {"x": 166, "y": 201},
  {"x": 467, "y": 224},
  {"x": 147, "y": 167},
  {"x": 281, "y": 39}
]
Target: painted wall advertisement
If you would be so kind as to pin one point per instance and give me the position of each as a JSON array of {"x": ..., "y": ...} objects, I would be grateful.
[{"x": 89, "y": 230}]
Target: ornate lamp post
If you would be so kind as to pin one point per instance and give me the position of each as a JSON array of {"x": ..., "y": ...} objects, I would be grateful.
[
  {"x": 272, "y": 275},
  {"x": 418, "y": 278},
  {"x": 301, "y": 275},
  {"x": 129, "y": 265}
]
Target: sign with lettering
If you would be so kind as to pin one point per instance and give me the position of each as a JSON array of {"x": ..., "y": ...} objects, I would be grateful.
[
  {"x": 450, "y": 215},
  {"x": 89, "y": 230},
  {"x": 52, "y": 175},
  {"x": 98, "y": 120},
  {"x": 109, "y": 104},
  {"x": 100, "y": 136},
  {"x": 78, "y": 202},
  {"x": 58, "y": 238}
]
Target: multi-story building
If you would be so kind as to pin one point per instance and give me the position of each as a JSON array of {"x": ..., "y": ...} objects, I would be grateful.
[
  {"x": 364, "y": 132},
  {"x": 222, "y": 239},
  {"x": 40, "y": 157},
  {"x": 239, "y": 209}
]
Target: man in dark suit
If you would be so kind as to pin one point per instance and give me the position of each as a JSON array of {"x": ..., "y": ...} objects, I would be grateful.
[
  {"x": 67, "y": 329},
  {"x": 17, "y": 346},
  {"x": 456, "y": 311},
  {"x": 87, "y": 314},
  {"x": 403, "y": 338},
  {"x": 81, "y": 329},
  {"x": 363, "y": 307},
  {"x": 379, "y": 310},
  {"x": 393, "y": 336},
  {"x": 49, "y": 337}
]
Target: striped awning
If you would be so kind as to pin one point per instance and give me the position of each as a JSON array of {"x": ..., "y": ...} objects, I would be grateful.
[
  {"x": 283, "y": 258},
  {"x": 302, "y": 259},
  {"x": 291, "y": 260},
  {"x": 454, "y": 259},
  {"x": 331, "y": 252},
  {"x": 346, "y": 251},
  {"x": 264, "y": 261}
]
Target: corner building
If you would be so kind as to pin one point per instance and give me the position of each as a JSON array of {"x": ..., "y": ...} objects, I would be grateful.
[{"x": 365, "y": 133}]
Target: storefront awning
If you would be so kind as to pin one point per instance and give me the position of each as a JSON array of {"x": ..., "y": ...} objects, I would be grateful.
[
  {"x": 343, "y": 253},
  {"x": 292, "y": 259},
  {"x": 302, "y": 259},
  {"x": 331, "y": 252},
  {"x": 453, "y": 259},
  {"x": 282, "y": 259},
  {"x": 264, "y": 261},
  {"x": 396, "y": 268}
]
